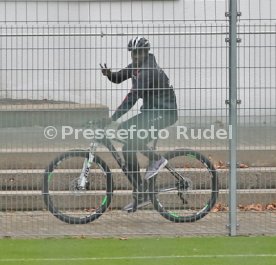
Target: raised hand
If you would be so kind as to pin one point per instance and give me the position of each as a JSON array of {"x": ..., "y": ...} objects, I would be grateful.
[{"x": 105, "y": 70}]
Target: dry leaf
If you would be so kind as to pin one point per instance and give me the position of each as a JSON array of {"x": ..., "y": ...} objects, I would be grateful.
[
  {"x": 219, "y": 208},
  {"x": 241, "y": 165}
]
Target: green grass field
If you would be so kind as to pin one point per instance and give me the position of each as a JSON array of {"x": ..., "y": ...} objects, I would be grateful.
[{"x": 161, "y": 251}]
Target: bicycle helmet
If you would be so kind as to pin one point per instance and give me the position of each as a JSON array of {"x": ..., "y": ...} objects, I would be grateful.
[{"x": 138, "y": 43}]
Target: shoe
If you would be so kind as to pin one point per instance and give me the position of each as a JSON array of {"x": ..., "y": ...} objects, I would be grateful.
[
  {"x": 135, "y": 205},
  {"x": 155, "y": 167}
]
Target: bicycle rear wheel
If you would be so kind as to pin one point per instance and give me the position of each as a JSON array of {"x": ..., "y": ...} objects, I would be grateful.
[
  {"x": 60, "y": 188},
  {"x": 186, "y": 189}
]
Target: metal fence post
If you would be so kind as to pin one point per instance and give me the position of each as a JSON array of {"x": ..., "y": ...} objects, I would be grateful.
[{"x": 233, "y": 116}]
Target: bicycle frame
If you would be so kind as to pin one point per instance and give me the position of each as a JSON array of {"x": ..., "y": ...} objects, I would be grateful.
[
  {"x": 107, "y": 143},
  {"x": 92, "y": 149}
]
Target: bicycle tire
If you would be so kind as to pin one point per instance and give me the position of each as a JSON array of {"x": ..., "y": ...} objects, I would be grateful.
[
  {"x": 72, "y": 206},
  {"x": 175, "y": 203}
]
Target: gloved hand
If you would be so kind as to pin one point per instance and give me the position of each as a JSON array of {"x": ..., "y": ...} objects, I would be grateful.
[{"x": 105, "y": 70}]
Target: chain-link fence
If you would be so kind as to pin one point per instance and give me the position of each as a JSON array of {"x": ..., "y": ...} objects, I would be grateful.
[{"x": 52, "y": 84}]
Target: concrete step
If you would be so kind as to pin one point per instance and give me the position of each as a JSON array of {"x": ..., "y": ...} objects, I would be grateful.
[
  {"x": 21, "y": 189},
  {"x": 24, "y": 158},
  {"x": 248, "y": 178},
  {"x": 33, "y": 200},
  {"x": 46, "y": 113}
]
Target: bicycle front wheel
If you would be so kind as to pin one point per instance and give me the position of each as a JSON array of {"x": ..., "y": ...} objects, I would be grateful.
[
  {"x": 186, "y": 189},
  {"x": 60, "y": 188}
]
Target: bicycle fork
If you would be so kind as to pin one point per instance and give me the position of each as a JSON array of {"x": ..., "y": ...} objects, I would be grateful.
[{"x": 82, "y": 180}]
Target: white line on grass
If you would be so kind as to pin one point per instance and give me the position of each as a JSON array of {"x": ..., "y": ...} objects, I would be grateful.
[{"x": 141, "y": 257}]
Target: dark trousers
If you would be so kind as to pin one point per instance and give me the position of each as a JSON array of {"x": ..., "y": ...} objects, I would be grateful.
[{"x": 145, "y": 128}]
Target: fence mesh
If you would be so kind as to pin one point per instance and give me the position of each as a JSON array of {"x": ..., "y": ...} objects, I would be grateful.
[{"x": 52, "y": 85}]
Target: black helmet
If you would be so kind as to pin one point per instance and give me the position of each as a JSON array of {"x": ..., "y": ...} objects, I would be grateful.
[{"x": 138, "y": 43}]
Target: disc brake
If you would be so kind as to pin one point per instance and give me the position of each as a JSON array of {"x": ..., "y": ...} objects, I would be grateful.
[{"x": 182, "y": 186}]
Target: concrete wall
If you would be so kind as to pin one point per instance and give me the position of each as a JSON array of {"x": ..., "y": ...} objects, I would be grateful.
[{"x": 52, "y": 50}]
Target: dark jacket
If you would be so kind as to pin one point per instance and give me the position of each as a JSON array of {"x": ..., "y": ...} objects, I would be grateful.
[{"x": 150, "y": 83}]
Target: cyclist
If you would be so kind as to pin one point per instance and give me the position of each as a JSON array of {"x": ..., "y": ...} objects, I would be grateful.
[{"x": 159, "y": 110}]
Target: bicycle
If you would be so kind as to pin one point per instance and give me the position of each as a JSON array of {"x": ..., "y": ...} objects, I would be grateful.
[{"x": 78, "y": 185}]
